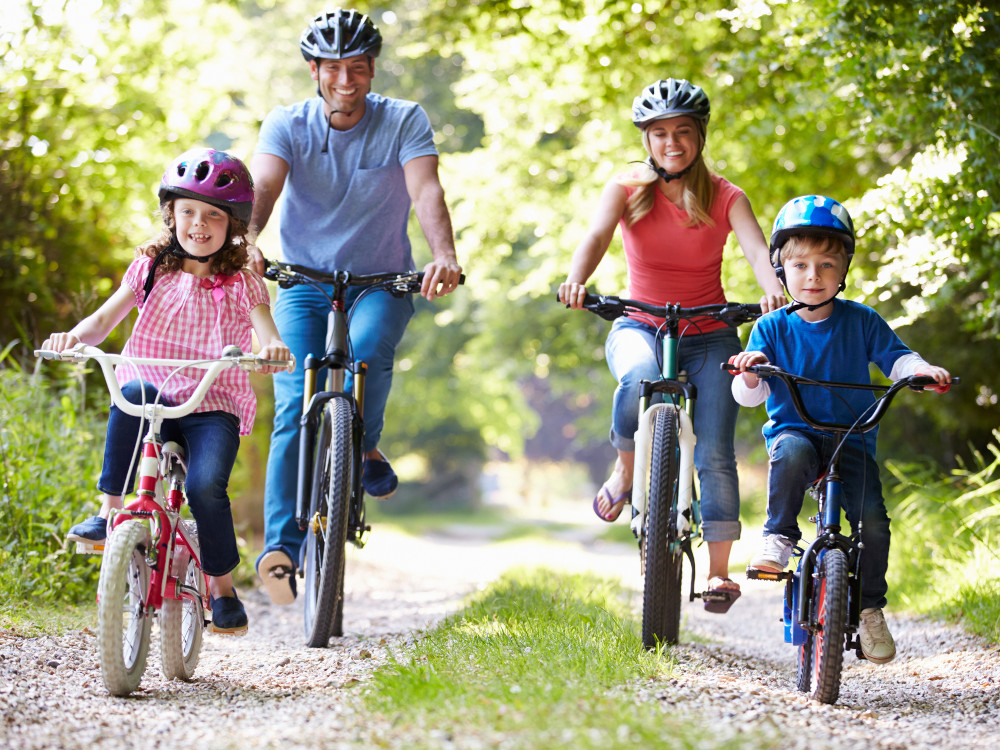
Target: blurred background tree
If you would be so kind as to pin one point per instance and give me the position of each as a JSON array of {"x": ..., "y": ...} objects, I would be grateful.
[{"x": 888, "y": 107}]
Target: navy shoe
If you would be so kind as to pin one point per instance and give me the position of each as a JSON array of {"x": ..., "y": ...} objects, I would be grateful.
[
  {"x": 378, "y": 478},
  {"x": 277, "y": 573},
  {"x": 228, "y": 615},
  {"x": 93, "y": 530}
]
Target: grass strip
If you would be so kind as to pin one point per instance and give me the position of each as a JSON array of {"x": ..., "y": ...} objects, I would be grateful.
[{"x": 539, "y": 659}]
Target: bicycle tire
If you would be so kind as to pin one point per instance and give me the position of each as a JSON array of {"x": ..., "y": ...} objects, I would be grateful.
[
  {"x": 123, "y": 622},
  {"x": 831, "y": 615},
  {"x": 326, "y": 542},
  {"x": 803, "y": 675},
  {"x": 661, "y": 601},
  {"x": 182, "y": 625}
]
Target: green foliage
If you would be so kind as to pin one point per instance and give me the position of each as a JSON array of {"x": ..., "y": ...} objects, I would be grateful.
[
  {"x": 534, "y": 659},
  {"x": 947, "y": 529},
  {"x": 50, "y": 456}
]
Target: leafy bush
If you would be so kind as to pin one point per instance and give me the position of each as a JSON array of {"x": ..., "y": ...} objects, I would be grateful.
[
  {"x": 947, "y": 529},
  {"x": 51, "y": 449}
]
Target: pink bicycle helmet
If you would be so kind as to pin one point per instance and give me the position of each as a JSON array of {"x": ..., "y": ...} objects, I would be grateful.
[{"x": 211, "y": 176}]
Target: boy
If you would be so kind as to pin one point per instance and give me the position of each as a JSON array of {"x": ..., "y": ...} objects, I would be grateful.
[{"x": 819, "y": 336}]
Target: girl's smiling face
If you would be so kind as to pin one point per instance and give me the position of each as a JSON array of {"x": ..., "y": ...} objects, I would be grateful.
[{"x": 201, "y": 227}]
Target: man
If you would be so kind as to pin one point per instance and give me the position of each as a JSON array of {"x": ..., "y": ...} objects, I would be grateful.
[{"x": 351, "y": 163}]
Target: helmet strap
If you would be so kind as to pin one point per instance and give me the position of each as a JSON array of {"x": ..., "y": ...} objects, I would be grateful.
[
  {"x": 175, "y": 249},
  {"x": 664, "y": 174}
]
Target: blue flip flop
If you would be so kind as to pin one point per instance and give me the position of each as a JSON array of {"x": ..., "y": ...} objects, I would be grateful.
[{"x": 616, "y": 502}]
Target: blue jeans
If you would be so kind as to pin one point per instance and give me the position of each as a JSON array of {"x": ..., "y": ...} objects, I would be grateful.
[
  {"x": 797, "y": 459},
  {"x": 211, "y": 440},
  {"x": 377, "y": 326},
  {"x": 632, "y": 352}
]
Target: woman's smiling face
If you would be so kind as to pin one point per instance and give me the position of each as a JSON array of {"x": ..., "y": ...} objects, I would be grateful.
[{"x": 674, "y": 143}]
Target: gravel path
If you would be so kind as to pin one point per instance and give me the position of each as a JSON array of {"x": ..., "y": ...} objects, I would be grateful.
[{"x": 266, "y": 690}]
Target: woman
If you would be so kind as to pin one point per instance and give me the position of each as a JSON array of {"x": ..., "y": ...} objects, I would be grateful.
[{"x": 675, "y": 217}]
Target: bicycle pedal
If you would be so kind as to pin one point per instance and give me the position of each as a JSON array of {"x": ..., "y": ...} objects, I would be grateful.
[
  {"x": 86, "y": 548},
  {"x": 754, "y": 574}
]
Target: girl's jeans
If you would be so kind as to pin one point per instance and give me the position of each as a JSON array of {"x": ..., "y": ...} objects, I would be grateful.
[
  {"x": 632, "y": 353},
  {"x": 797, "y": 460},
  {"x": 211, "y": 440},
  {"x": 377, "y": 326}
]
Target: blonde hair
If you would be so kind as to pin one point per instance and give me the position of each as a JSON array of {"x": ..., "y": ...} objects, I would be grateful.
[
  {"x": 800, "y": 244},
  {"x": 229, "y": 261},
  {"x": 699, "y": 190}
]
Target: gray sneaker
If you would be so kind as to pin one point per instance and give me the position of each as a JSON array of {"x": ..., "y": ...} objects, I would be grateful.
[
  {"x": 876, "y": 640},
  {"x": 775, "y": 554}
]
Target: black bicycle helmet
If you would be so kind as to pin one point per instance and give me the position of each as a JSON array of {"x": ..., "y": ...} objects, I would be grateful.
[
  {"x": 673, "y": 97},
  {"x": 340, "y": 33}
]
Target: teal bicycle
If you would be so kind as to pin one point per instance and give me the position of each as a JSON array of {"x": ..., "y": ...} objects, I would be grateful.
[{"x": 666, "y": 513}]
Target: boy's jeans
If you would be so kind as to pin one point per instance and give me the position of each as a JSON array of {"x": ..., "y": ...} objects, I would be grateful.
[{"x": 797, "y": 459}]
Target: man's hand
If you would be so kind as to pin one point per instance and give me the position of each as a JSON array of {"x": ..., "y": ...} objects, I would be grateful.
[
  {"x": 255, "y": 259},
  {"x": 441, "y": 277}
]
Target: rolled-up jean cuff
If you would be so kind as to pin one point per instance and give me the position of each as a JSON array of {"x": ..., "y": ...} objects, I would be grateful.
[
  {"x": 624, "y": 444},
  {"x": 721, "y": 531}
]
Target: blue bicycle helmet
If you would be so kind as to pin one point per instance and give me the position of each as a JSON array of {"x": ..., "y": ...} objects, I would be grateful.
[{"x": 815, "y": 215}]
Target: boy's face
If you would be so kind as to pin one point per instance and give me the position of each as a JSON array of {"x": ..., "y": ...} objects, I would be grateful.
[{"x": 814, "y": 274}]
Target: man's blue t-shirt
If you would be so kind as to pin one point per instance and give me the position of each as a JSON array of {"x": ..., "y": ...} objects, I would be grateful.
[
  {"x": 348, "y": 208},
  {"x": 839, "y": 348}
]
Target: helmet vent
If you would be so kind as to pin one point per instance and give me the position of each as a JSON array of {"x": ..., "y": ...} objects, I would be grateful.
[{"x": 201, "y": 171}]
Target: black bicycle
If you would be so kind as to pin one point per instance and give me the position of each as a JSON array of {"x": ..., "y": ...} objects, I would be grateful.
[
  {"x": 330, "y": 501},
  {"x": 666, "y": 512},
  {"x": 823, "y": 594}
]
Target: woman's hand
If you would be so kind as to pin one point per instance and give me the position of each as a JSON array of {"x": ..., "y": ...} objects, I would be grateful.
[
  {"x": 571, "y": 294},
  {"x": 772, "y": 302}
]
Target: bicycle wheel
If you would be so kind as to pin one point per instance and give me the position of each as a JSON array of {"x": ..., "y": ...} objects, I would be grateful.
[
  {"x": 326, "y": 537},
  {"x": 830, "y": 601},
  {"x": 803, "y": 676},
  {"x": 182, "y": 623},
  {"x": 123, "y": 622},
  {"x": 661, "y": 601}
]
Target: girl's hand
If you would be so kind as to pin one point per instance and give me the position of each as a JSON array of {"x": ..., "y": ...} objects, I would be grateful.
[
  {"x": 743, "y": 360},
  {"x": 571, "y": 294},
  {"x": 60, "y": 342},
  {"x": 941, "y": 376},
  {"x": 277, "y": 350}
]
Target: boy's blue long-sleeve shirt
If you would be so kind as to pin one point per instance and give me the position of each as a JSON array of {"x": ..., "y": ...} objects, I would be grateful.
[{"x": 839, "y": 348}]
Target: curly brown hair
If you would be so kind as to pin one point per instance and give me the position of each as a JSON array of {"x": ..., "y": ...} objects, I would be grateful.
[{"x": 228, "y": 261}]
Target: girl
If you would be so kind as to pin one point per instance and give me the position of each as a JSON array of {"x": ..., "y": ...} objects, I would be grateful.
[
  {"x": 675, "y": 216},
  {"x": 194, "y": 298}
]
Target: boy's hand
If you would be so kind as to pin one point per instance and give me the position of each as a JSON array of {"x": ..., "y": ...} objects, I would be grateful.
[
  {"x": 743, "y": 360},
  {"x": 941, "y": 376}
]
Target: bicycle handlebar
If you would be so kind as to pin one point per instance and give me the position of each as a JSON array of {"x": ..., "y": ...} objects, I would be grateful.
[
  {"x": 913, "y": 382},
  {"x": 232, "y": 356},
  {"x": 610, "y": 307},
  {"x": 291, "y": 274}
]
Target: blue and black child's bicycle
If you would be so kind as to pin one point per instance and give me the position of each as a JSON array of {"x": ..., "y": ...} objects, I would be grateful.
[{"x": 823, "y": 594}]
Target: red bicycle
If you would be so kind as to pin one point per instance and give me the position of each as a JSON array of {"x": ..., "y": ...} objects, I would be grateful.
[{"x": 151, "y": 564}]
